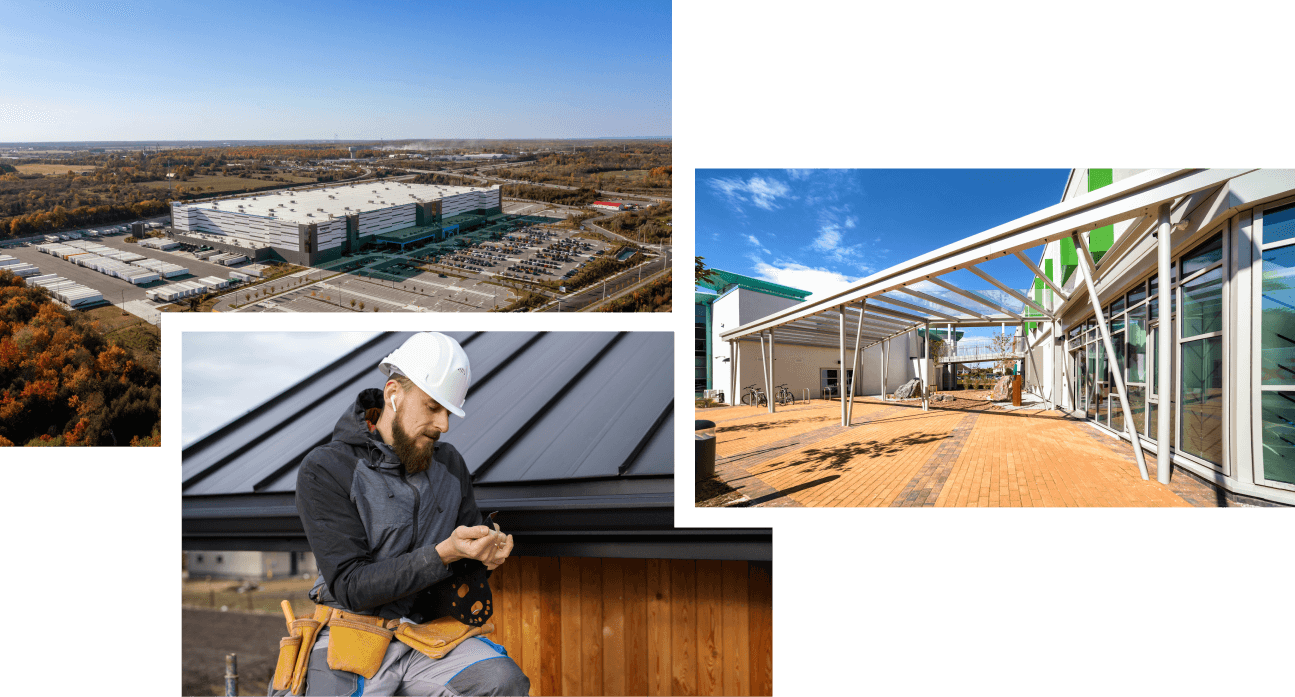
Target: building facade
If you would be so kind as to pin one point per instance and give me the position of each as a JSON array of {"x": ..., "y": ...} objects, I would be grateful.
[
  {"x": 1232, "y": 396},
  {"x": 812, "y": 371},
  {"x": 317, "y": 225}
]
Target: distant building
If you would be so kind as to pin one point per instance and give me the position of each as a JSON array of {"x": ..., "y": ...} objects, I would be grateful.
[
  {"x": 609, "y": 205},
  {"x": 249, "y": 565}
]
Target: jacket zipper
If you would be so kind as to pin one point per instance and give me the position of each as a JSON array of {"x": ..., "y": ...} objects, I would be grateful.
[{"x": 413, "y": 543}]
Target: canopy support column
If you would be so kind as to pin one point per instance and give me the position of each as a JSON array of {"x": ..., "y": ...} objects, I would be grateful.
[
  {"x": 840, "y": 373},
  {"x": 924, "y": 385},
  {"x": 732, "y": 372},
  {"x": 885, "y": 369},
  {"x": 1164, "y": 349},
  {"x": 1086, "y": 267},
  {"x": 854, "y": 365},
  {"x": 764, "y": 369},
  {"x": 772, "y": 384}
]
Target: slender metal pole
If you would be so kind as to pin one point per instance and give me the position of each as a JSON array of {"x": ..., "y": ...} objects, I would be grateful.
[
  {"x": 231, "y": 675},
  {"x": 732, "y": 373},
  {"x": 841, "y": 367},
  {"x": 854, "y": 365},
  {"x": 1086, "y": 267},
  {"x": 773, "y": 382},
  {"x": 764, "y": 368},
  {"x": 926, "y": 365},
  {"x": 1164, "y": 349},
  {"x": 885, "y": 369}
]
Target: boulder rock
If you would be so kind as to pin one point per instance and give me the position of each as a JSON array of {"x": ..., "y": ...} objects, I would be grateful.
[
  {"x": 907, "y": 389},
  {"x": 1002, "y": 389}
]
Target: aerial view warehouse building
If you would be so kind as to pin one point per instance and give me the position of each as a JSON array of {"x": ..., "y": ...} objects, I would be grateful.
[{"x": 318, "y": 225}]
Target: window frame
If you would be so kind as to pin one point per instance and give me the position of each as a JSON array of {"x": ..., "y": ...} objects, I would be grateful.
[
  {"x": 1256, "y": 375},
  {"x": 1224, "y": 263}
]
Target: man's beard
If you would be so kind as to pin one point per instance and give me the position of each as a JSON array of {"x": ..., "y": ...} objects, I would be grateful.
[{"x": 415, "y": 458}]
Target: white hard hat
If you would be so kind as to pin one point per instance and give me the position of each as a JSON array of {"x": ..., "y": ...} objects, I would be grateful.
[{"x": 437, "y": 364}]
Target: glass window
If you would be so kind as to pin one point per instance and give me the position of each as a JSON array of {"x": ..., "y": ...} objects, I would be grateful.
[
  {"x": 1154, "y": 421},
  {"x": 1137, "y": 295},
  {"x": 1279, "y": 224},
  {"x": 1205, "y": 254},
  {"x": 1117, "y": 323},
  {"x": 1203, "y": 304},
  {"x": 1118, "y": 341},
  {"x": 1117, "y": 413},
  {"x": 1279, "y": 434},
  {"x": 1202, "y": 394},
  {"x": 1138, "y": 407},
  {"x": 1117, "y": 306},
  {"x": 1277, "y": 324},
  {"x": 1154, "y": 303},
  {"x": 1137, "y": 347}
]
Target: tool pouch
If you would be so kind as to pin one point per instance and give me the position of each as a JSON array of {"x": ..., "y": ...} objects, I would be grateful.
[
  {"x": 289, "y": 647},
  {"x": 438, "y": 637},
  {"x": 357, "y": 643},
  {"x": 294, "y": 651}
]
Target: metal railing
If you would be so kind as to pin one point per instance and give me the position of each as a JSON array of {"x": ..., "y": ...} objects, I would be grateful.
[{"x": 979, "y": 349}]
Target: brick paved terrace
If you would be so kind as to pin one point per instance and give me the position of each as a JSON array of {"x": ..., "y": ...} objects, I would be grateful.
[{"x": 968, "y": 452}]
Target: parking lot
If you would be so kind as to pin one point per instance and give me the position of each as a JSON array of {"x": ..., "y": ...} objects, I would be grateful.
[{"x": 426, "y": 293}]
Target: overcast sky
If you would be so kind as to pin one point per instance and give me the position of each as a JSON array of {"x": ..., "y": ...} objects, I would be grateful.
[{"x": 226, "y": 374}]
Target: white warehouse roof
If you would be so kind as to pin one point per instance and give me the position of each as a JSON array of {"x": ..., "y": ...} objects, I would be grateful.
[{"x": 316, "y": 205}]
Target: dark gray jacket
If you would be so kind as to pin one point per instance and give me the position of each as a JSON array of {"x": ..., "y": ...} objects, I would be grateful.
[{"x": 374, "y": 528}]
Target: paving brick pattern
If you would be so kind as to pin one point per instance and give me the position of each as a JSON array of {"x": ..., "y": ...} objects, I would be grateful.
[
  {"x": 897, "y": 455},
  {"x": 924, "y": 489}
]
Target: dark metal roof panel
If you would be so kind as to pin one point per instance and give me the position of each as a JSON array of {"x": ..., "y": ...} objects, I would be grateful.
[
  {"x": 575, "y": 404},
  {"x": 521, "y": 391},
  {"x": 600, "y": 423}
]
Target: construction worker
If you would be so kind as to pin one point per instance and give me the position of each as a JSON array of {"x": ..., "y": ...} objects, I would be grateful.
[{"x": 390, "y": 516}]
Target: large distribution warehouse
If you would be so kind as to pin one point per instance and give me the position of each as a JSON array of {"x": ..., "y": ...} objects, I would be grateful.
[{"x": 316, "y": 225}]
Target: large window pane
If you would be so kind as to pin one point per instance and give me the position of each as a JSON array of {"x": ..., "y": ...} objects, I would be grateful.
[
  {"x": 1203, "y": 304},
  {"x": 1153, "y": 305},
  {"x": 1279, "y": 223},
  {"x": 1117, "y": 306},
  {"x": 1137, "y": 348},
  {"x": 1202, "y": 394},
  {"x": 1279, "y": 436},
  {"x": 1117, "y": 413},
  {"x": 1118, "y": 341},
  {"x": 1154, "y": 423},
  {"x": 1277, "y": 326},
  {"x": 1206, "y": 253},
  {"x": 1137, "y": 295},
  {"x": 1138, "y": 407}
]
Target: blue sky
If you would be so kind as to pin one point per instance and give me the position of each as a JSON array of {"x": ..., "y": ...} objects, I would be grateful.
[
  {"x": 820, "y": 229},
  {"x": 362, "y": 70}
]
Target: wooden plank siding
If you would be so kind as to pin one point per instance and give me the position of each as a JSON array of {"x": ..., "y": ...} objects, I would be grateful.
[{"x": 588, "y": 626}]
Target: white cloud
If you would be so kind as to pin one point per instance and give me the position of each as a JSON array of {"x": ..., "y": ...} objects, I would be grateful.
[
  {"x": 799, "y": 173},
  {"x": 829, "y": 236},
  {"x": 756, "y": 241},
  {"x": 761, "y": 192},
  {"x": 820, "y": 282}
]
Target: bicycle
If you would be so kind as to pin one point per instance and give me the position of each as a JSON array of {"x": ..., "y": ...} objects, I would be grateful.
[
  {"x": 784, "y": 395},
  {"x": 753, "y": 396}
]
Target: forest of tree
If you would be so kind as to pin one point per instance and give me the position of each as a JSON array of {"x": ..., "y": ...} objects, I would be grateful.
[
  {"x": 62, "y": 383},
  {"x": 579, "y": 197},
  {"x": 582, "y": 165},
  {"x": 647, "y": 225},
  {"x": 446, "y": 179}
]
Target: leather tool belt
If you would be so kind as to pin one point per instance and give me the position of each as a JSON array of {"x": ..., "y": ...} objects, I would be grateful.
[{"x": 357, "y": 643}]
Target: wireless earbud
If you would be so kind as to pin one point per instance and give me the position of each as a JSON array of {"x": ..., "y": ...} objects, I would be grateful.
[{"x": 392, "y": 400}]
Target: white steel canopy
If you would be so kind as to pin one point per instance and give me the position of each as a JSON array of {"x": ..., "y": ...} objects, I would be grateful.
[{"x": 932, "y": 300}]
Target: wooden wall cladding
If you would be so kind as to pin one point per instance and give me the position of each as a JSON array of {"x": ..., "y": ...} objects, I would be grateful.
[{"x": 582, "y": 626}]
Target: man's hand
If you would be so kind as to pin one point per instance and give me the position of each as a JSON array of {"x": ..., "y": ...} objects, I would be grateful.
[{"x": 490, "y": 547}]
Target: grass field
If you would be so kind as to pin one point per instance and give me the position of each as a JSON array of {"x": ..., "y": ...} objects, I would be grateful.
[
  {"x": 53, "y": 169},
  {"x": 220, "y": 183},
  {"x": 129, "y": 331},
  {"x": 216, "y": 593}
]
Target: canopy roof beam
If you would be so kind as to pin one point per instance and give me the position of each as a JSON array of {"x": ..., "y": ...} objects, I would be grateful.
[
  {"x": 976, "y": 297},
  {"x": 946, "y": 303},
  {"x": 1123, "y": 200},
  {"x": 1043, "y": 277},
  {"x": 883, "y": 298},
  {"x": 1010, "y": 291}
]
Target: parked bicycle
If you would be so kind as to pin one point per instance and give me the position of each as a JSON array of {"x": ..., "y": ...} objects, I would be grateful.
[
  {"x": 754, "y": 396},
  {"x": 784, "y": 395}
]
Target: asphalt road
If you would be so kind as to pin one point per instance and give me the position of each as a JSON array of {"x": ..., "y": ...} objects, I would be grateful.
[{"x": 614, "y": 285}]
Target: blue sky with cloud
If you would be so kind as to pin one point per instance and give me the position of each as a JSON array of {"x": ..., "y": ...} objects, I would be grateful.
[{"x": 821, "y": 230}]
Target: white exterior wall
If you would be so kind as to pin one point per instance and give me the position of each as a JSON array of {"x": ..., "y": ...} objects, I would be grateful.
[
  {"x": 331, "y": 234},
  {"x": 385, "y": 220},
  {"x": 261, "y": 231},
  {"x": 799, "y": 366}
]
